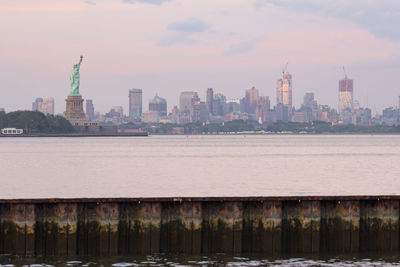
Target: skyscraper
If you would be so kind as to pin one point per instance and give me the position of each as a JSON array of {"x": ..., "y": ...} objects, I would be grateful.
[
  {"x": 185, "y": 100},
  {"x": 45, "y": 105},
  {"x": 251, "y": 100},
  {"x": 219, "y": 105},
  {"x": 308, "y": 100},
  {"x": 345, "y": 95},
  {"x": 159, "y": 105},
  {"x": 263, "y": 107},
  {"x": 209, "y": 100},
  {"x": 284, "y": 90},
  {"x": 309, "y": 108},
  {"x": 135, "y": 103},
  {"x": 89, "y": 109},
  {"x": 35, "y": 105},
  {"x": 233, "y": 105},
  {"x": 196, "y": 108}
]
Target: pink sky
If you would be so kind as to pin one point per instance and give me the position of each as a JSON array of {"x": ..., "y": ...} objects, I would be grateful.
[{"x": 172, "y": 46}]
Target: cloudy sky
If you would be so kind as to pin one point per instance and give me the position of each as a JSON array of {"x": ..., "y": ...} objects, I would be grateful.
[{"x": 166, "y": 46}]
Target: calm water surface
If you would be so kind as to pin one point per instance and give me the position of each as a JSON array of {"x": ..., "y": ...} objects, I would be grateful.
[{"x": 162, "y": 166}]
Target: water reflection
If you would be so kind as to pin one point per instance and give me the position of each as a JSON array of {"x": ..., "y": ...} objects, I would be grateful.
[{"x": 209, "y": 260}]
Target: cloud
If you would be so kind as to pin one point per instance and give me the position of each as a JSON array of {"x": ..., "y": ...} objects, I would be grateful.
[
  {"x": 392, "y": 62},
  {"x": 240, "y": 48},
  {"x": 378, "y": 17},
  {"x": 188, "y": 26},
  {"x": 154, "y": 2},
  {"x": 90, "y": 2},
  {"x": 181, "y": 32}
]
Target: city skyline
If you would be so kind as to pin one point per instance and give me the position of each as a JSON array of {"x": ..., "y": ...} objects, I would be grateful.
[
  {"x": 252, "y": 106},
  {"x": 192, "y": 46}
]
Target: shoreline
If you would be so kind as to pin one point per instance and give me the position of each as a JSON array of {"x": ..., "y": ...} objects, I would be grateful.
[
  {"x": 146, "y": 134},
  {"x": 140, "y": 134}
]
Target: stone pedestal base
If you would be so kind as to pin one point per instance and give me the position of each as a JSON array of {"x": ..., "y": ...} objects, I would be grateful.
[{"x": 74, "y": 111}]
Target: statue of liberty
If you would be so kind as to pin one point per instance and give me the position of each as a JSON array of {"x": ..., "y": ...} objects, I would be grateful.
[{"x": 75, "y": 79}]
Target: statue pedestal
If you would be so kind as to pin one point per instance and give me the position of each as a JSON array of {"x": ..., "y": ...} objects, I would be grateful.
[{"x": 74, "y": 111}]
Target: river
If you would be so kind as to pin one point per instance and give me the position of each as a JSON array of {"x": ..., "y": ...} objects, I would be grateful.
[{"x": 197, "y": 166}]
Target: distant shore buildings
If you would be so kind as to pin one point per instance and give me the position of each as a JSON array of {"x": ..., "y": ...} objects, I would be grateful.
[
  {"x": 217, "y": 108},
  {"x": 90, "y": 110},
  {"x": 44, "y": 105}
]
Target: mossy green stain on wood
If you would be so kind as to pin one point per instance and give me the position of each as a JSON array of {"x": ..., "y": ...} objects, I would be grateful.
[{"x": 262, "y": 227}]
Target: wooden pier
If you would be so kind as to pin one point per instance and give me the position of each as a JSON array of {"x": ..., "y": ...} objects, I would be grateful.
[{"x": 268, "y": 225}]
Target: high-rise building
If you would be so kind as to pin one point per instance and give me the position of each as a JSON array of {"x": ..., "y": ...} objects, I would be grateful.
[
  {"x": 48, "y": 106},
  {"x": 251, "y": 100},
  {"x": 186, "y": 100},
  {"x": 284, "y": 91},
  {"x": 210, "y": 100},
  {"x": 159, "y": 105},
  {"x": 45, "y": 106},
  {"x": 135, "y": 103},
  {"x": 196, "y": 108},
  {"x": 175, "y": 114},
  {"x": 309, "y": 108},
  {"x": 308, "y": 100},
  {"x": 233, "y": 105},
  {"x": 219, "y": 105},
  {"x": 262, "y": 110},
  {"x": 89, "y": 109},
  {"x": 35, "y": 105},
  {"x": 203, "y": 111},
  {"x": 345, "y": 95},
  {"x": 281, "y": 112}
]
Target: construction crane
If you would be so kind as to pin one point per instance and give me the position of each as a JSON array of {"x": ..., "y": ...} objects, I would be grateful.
[
  {"x": 345, "y": 74},
  {"x": 285, "y": 68},
  {"x": 376, "y": 112}
]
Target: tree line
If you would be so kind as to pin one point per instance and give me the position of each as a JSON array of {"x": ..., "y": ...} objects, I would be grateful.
[{"x": 35, "y": 122}]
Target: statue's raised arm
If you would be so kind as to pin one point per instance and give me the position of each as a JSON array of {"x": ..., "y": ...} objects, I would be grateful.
[{"x": 75, "y": 79}]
